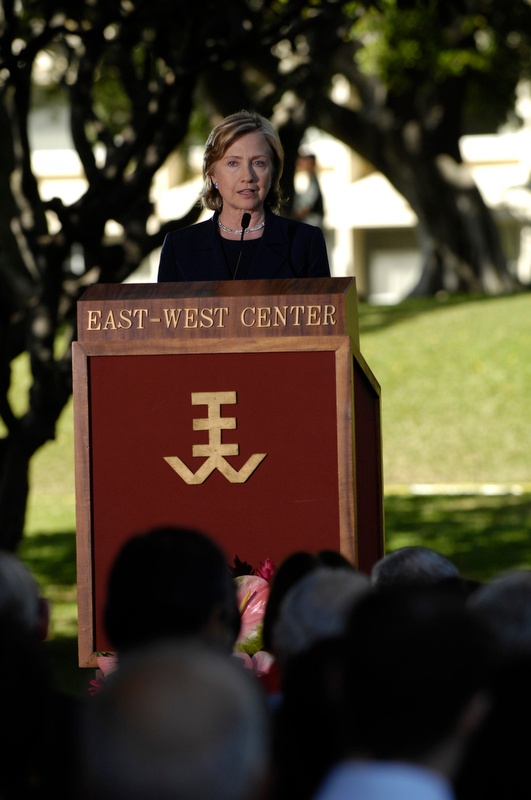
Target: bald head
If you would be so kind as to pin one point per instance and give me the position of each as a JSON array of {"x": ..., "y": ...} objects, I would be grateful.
[{"x": 177, "y": 720}]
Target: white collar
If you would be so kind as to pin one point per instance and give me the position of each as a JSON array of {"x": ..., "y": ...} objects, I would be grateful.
[{"x": 379, "y": 780}]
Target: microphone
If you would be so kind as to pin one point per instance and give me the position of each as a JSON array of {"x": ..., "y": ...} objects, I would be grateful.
[{"x": 246, "y": 218}]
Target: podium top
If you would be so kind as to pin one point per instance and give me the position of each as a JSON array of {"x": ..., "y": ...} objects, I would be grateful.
[{"x": 218, "y": 309}]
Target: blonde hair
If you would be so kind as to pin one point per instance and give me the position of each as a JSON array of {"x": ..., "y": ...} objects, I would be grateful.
[{"x": 222, "y": 137}]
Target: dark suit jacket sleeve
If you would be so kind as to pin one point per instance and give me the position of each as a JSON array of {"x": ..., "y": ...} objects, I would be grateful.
[
  {"x": 290, "y": 249},
  {"x": 318, "y": 266},
  {"x": 168, "y": 263},
  {"x": 193, "y": 253}
]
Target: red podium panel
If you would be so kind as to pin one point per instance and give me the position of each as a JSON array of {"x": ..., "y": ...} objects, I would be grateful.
[{"x": 266, "y": 439}]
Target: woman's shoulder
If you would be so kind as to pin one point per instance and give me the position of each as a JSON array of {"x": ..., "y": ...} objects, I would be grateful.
[
  {"x": 295, "y": 227},
  {"x": 290, "y": 221},
  {"x": 191, "y": 232}
]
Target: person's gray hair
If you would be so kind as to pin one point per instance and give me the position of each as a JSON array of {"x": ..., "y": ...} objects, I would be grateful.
[
  {"x": 176, "y": 720},
  {"x": 19, "y": 593},
  {"x": 317, "y": 607},
  {"x": 504, "y": 606},
  {"x": 413, "y": 565}
]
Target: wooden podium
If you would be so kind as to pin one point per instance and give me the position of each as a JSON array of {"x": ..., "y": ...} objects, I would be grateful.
[{"x": 243, "y": 409}]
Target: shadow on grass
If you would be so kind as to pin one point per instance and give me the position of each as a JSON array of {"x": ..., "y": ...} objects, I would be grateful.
[
  {"x": 483, "y": 535},
  {"x": 52, "y": 559}
]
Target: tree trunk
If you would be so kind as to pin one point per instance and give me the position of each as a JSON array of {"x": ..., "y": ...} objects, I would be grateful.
[
  {"x": 49, "y": 394},
  {"x": 14, "y": 489},
  {"x": 458, "y": 237}
]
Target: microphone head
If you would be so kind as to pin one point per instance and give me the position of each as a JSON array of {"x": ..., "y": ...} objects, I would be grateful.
[{"x": 245, "y": 221}]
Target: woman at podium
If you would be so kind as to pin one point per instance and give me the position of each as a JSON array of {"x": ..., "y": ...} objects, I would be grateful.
[{"x": 246, "y": 238}]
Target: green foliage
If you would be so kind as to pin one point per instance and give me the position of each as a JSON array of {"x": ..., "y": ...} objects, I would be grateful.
[
  {"x": 403, "y": 44},
  {"x": 407, "y": 45},
  {"x": 112, "y": 104},
  {"x": 252, "y": 644}
]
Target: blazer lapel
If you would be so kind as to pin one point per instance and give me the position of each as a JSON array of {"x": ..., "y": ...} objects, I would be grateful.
[
  {"x": 208, "y": 254},
  {"x": 270, "y": 258}
]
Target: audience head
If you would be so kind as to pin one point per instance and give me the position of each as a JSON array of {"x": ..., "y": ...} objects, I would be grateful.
[
  {"x": 311, "y": 727},
  {"x": 289, "y": 571},
  {"x": 28, "y": 718},
  {"x": 177, "y": 720},
  {"x": 20, "y": 597},
  {"x": 504, "y": 606},
  {"x": 170, "y": 582},
  {"x": 418, "y": 667},
  {"x": 412, "y": 566},
  {"x": 333, "y": 558},
  {"x": 315, "y": 608},
  {"x": 496, "y": 764}
]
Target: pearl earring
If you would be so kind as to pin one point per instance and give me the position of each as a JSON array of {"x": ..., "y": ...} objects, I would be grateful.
[{"x": 215, "y": 186}]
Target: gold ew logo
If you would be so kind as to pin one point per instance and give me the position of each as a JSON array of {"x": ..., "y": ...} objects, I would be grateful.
[{"x": 214, "y": 450}]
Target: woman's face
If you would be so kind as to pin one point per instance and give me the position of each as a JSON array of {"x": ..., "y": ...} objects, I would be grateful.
[{"x": 244, "y": 174}]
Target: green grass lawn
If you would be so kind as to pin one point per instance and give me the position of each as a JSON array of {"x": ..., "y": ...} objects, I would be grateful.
[{"x": 455, "y": 381}]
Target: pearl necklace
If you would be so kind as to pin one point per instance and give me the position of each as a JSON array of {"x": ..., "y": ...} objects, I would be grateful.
[{"x": 249, "y": 230}]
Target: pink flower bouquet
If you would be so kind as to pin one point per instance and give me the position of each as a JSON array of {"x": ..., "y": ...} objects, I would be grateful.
[{"x": 252, "y": 593}]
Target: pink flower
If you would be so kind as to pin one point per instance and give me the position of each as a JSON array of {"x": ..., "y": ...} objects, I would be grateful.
[
  {"x": 252, "y": 594},
  {"x": 266, "y": 569},
  {"x": 95, "y": 686},
  {"x": 107, "y": 663},
  {"x": 260, "y": 662},
  {"x": 245, "y": 659}
]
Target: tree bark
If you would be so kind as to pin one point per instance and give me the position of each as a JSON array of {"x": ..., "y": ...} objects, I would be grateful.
[{"x": 458, "y": 237}]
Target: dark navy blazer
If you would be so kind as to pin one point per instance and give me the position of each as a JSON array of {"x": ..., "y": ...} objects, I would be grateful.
[{"x": 287, "y": 249}]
